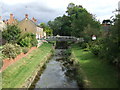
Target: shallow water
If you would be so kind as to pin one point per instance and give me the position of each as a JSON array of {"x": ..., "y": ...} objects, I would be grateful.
[{"x": 55, "y": 74}]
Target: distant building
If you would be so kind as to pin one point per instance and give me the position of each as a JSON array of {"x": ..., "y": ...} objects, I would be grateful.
[
  {"x": 34, "y": 20},
  {"x": 2, "y": 27},
  {"x": 27, "y": 25},
  {"x": 106, "y": 24},
  {"x": 2, "y": 24},
  {"x": 11, "y": 20},
  {"x": 39, "y": 32}
]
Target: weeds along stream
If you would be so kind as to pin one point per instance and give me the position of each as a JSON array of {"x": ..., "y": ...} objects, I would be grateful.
[{"x": 59, "y": 72}]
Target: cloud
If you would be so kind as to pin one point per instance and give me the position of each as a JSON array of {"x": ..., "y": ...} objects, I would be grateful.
[
  {"x": 45, "y": 10},
  {"x": 36, "y": 10}
]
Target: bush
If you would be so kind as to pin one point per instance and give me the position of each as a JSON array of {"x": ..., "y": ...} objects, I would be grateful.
[
  {"x": 84, "y": 45},
  {"x": 18, "y": 49},
  {"x": 95, "y": 49},
  {"x": 25, "y": 50},
  {"x": 25, "y": 42},
  {"x": 33, "y": 41},
  {"x": 11, "y": 34},
  {"x": 67, "y": 52},
  {"x": 9, "y": 51},
  {"x": 28, "y": 40}
]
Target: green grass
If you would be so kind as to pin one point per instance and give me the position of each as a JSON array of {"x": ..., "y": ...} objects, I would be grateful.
[
  {"x": 99, "y": 73},
  {"x": 16, "y": 74}
]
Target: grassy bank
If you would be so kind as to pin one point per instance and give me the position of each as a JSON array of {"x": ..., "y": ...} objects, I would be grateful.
[
  {"x": 17, "y": 74},
  {"x": 95, "y": 73}
]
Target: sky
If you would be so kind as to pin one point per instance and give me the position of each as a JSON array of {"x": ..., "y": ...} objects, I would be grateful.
[{"x": 46, "y": 10}]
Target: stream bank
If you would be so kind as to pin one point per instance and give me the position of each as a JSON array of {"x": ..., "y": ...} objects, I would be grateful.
[{"x": 59, "y": 72}]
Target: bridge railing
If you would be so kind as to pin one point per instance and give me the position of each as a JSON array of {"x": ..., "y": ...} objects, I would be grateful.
[{"x": 63, "y": 38}]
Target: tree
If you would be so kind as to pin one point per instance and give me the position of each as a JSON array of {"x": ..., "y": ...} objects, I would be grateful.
[
  {"x": 28, "y": 40},
  {"x": 81, "y": 18},
  {"x": 61, "y": 26},
  {"x": 74, "y": 23},
  {"x": 110, "y": 45},
  {"x": 11, "y": 34},
  {"x": 89, "y": 31},
  {"x": 43, "y": 25},
  {"x": 46, "y": 29},
  {"x": 114, "y": 41}
]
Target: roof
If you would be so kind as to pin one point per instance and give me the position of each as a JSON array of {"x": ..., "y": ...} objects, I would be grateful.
[{"x": 29, "y": 21}]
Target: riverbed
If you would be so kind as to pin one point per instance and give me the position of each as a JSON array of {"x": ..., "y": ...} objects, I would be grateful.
[{"x": 59, "y": 73}]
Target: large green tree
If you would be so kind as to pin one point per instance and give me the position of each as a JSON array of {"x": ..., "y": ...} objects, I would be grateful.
[
  {"x": 109, "y": 46},
  {"x": 61, "y": 26},
  {"x": 11, "y": 34},
  {"x": 46, "y": 29},
  {"x": 113, "y": 42},
  {"x": 80, "y": 19},
  {"x": 74, "y": 22}
]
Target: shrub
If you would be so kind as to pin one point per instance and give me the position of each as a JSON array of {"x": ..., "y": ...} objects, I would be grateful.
[
  {"x": 18, "y": 49},
  {"x": 83, "y": 45},
  {"x": 34, "y": 42},
  {"x": 95, "y": 49},
  {"x": 11, "y": 34},
  {"x": 9, "y": 51},
  {"x": 28, "y": 40},
  {"x": 25, "y": 42},
  {"x": 25, "y": 50},
  {"x": 67, "y": 52}
]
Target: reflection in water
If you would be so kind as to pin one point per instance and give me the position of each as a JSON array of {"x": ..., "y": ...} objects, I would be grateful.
[{"x": 54, "y": 76}]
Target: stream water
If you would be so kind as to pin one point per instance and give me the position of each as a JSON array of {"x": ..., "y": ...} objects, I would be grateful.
[{"x": 58, "y": 73}]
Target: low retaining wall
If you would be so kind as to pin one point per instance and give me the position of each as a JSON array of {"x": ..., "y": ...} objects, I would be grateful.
[
  {"x": 7, "y": 62},
  {"x": 30, "y": 80}
]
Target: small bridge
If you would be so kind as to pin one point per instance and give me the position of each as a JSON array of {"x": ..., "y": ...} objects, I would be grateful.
[{"x": 64, "y": 38}]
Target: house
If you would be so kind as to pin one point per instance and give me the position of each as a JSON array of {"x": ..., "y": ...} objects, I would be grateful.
[
  {"x": 39, "y": 32},
  {"x": 106, "y": 24},
  {"x": 11, "y": 20},
  {"x": 2, "y": 24},
  {"x": 27, "y": 25},
  {"x": 2, "y": 27}
]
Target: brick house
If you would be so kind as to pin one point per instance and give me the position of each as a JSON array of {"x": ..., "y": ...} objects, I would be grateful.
[
  {"x": 27, "y": 25},
  {"x": 11, "y": 20}
]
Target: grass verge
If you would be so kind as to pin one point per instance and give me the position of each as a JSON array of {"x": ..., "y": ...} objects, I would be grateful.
[
  {"x": 95, "y": 73},
  {"x": 17, "y": 74}
]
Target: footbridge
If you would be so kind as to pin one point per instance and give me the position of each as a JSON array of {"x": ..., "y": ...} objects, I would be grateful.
[{"x": 63, "y": 38}]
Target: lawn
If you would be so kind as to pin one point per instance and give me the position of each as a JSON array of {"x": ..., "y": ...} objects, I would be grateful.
[
  {"x": 97, "y": 73},
  {"x": 17, "y": 74},
  {"x": 1, "y": 56}
]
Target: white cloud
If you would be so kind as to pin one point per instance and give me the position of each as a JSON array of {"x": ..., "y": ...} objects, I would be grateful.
[
  {"x": 13, "y": 2},
  {"x": 49, "y": 9}
]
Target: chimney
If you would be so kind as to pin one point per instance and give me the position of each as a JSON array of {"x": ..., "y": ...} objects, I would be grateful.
[
  {"x": 11, "y": 16},
  {"x": 0, "y": 17},
  {"x": 34, "y": 20},
  {"x": 26, "y": 16}
]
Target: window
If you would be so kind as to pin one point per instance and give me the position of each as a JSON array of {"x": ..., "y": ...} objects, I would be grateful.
[{"x": 25, "y": 29}]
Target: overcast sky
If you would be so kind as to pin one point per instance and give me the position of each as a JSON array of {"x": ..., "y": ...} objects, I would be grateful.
[{"x": 45, "y": 10}]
